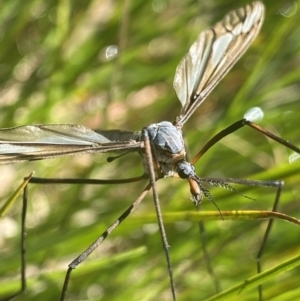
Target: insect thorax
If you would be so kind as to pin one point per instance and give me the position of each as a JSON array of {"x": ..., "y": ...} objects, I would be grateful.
[{"x": 167, "y": 148}]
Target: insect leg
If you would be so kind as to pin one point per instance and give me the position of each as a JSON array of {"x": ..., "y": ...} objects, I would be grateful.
[
  {"x": 230, "y": 129},
  {"x": 158, "y": 210},
  {"x": 234, "y": 127},
  {"x": 5, "y": 207},
  {"x": 24, "y": 188},
  {"x": 99, "y": 240},
  {"x": 257, "y": 183},
  {"x": 85, "y": 181},
  {"x": 265, "y": 238}
]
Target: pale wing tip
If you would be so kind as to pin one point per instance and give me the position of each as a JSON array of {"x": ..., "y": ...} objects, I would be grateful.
[
  {"x": 255, "y": 114},
  {"x": 259, "y": 9}
]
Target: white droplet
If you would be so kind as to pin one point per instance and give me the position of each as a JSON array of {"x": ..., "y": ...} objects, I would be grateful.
[
  {"x": 289, "y": 9},
  {"x": 158, "y": 5},
  {"x": 255, "y": 114},
  {"x": 111, "y": 52}
]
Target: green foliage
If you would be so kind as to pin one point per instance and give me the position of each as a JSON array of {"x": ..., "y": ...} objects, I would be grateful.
[{"x": 53, "y": 69}]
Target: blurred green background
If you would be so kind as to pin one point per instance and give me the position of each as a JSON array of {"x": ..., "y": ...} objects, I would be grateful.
[{"x": 57, "y": 65}]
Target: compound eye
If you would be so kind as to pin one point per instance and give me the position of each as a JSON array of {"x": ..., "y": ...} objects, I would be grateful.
[
  {"x": 183, "y": 173},
  {"x": 185, "y": 170}
]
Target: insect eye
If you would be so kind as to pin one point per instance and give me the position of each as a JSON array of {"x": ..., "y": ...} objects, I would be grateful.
[{"x": 185, "y": 170}]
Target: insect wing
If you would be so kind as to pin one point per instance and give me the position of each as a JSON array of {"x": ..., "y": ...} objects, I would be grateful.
[
  {"x": 36, "y": 142},
  {"x": 213, "y": 54}
]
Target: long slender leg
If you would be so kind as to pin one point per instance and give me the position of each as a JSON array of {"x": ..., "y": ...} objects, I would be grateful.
[
  {"x": 265, "y": 238},
  {"x": 223, "y": 181},
  {"x": 230, "y": 129},
  {"x": 95, "y": 244},
  {"x": 85, "y": 181},
  {"x": 23, "y": 239},
  {"x": 99, "y": 240},
  {"x": 24, "y": 187},
  {"x": 276, "y": 184},
  {"x": 158, "y": 211},
  {"x": 272, "y": 136},
  {"x": 234, "y": 127}
]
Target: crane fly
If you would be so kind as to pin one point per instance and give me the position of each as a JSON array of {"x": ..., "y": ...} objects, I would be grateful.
[{"x": 160, "y": 145}]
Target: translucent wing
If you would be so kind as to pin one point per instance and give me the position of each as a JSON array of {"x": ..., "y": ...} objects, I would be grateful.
[
  {"x": 36, "y": 142},
  {"x": 213, "y": 54}
]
